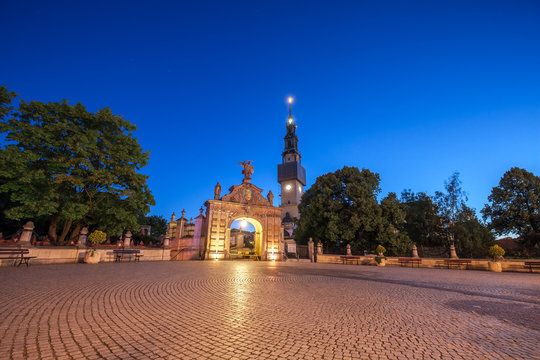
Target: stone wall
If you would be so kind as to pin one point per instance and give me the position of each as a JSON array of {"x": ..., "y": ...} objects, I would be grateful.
[
  {"x": 434, "y": 263},
  {"x": 72, "y": 254}
]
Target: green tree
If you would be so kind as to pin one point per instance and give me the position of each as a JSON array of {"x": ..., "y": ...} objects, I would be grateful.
[
  {"x": 450, "y": 203},
  {"x": 7, "y": 226},
  {"x": 514, "y": 206},
  {"x": 391, "y": 229},
  {"x": 73, "y": 166},
  {"x": 341, "y": 206},
  {"x": 6, "y": 98},
  {"x": 422, "y": 222},
  {"x": 474, "y": 236}
]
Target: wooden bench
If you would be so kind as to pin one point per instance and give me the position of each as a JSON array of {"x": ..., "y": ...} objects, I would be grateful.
[
  {"x": 532, "y": 265},
  {"x": 119, "y": 254},
  {"x": 456, "y": 262},
  {"x": 251, "y": 255},
  {"x": 412, "y": 261},
  {"x": 351, "y": 258},
  {"x": 17, "y": 254}
]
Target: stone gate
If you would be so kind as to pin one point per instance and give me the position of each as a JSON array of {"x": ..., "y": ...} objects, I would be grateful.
[{"x": 245, "y": 202}]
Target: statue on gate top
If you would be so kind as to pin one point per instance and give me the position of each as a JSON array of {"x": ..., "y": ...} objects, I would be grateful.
[
  {"x": 217, "y": 192},
  {"x": 248, "y": 170}
]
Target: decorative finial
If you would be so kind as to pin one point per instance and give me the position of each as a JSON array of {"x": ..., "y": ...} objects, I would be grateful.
[
  {"x": 201, "y": 210},
  {"x": 173, "y": 216},
  {"x": 183, "y": 213}
]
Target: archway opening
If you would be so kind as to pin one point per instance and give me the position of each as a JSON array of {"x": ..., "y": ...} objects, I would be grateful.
[{"x": 245, "y": 239}]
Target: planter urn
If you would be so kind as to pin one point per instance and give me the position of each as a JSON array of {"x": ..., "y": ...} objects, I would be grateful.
[
  {"x": 382, "y": 260},
  {"x": 495, "y": 266},
  {"x": 90, "y": 258}
]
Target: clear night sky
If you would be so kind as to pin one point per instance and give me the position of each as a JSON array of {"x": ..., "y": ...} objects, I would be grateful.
[{"x": 410, "y": 90}]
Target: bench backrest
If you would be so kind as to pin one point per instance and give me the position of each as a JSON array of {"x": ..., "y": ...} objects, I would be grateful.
[
  {"x": 13, "y": 251},
  {"x": 121, "y": 251},
  {"x": 409, "y": 259}
]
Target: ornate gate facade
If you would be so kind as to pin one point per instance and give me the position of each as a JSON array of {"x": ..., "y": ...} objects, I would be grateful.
[{"x": 244, "y": 202}]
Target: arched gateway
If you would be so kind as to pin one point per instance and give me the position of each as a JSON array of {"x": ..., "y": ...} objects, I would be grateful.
[{"x": 244, "y": 202}]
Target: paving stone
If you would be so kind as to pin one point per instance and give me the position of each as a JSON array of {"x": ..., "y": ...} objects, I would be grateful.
[{"x": 264, "y": 310}]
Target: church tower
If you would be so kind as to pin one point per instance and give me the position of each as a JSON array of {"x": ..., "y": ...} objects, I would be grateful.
[{"x": 291, "y": 176}]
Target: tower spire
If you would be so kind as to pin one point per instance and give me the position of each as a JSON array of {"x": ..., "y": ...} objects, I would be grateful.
[{"x": 290, "y": 106}]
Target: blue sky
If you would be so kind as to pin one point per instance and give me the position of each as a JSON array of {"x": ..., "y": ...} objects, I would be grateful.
[{"x": 411, "y": 90}]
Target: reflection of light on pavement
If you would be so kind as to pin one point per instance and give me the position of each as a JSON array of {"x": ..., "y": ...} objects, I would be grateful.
[{"x": 241, "y": 295}]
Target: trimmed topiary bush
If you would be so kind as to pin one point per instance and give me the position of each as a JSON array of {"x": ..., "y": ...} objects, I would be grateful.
[
  {"x": 496, "y": 252},
  {"x": 97, "y": 237}
]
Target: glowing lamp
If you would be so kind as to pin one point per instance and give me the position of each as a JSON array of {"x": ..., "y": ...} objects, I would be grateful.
[
  {"x": 243, "y": 224},
  {"x": 290, "y": 100}
]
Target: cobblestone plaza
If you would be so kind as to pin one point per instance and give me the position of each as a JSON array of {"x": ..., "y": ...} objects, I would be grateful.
[{"x": 255, "y": 310}]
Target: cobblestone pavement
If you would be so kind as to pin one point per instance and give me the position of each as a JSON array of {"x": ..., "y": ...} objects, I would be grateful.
[{"x": 248, "y": 310}]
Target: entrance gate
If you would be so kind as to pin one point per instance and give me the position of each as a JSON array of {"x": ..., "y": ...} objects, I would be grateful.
[{"x": 244, "y": 201}]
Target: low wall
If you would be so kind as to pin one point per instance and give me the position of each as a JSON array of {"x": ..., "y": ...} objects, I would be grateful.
[
  {"x": 72, "y": 254},
  {"x": 434, "y": 263}
]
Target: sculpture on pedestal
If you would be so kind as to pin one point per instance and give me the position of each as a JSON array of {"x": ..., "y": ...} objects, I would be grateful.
[
  {"x": 248, "y": 170},
  {"x": 217, "y": 191},
  {"x": 270, "y": 197}
]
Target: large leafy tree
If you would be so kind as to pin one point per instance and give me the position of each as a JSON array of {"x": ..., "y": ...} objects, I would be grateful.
[
  {"x": 474, "y": 236},
  {"x": 514, "y": 205},
  {"x": 391, "y": 229},
  {"x": 341, "y": 206},
  {"x": 7, "y": 226},
  {"x": 73, "y": 166},
  {"x": 422, "y": 223},
  {"x": 451, "y": 203}
]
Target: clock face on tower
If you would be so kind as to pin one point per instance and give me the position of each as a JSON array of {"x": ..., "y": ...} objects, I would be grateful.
[{"x": 288, "y": 187}]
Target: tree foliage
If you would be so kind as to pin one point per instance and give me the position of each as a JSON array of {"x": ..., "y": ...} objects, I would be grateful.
[
  {"x": 391, "y": 229},
  {"x": 6, "y": 98},
  {"x": 157, "y": 222},
  {"x": 460, "y": 223},
  {"x": 340, "y": 206},
  {"x": 473, "y": 237},
  {"x": 422, "y": 222},
  {"x": 451, "y": 203},
  {"x": 7, "y": 226},
  {"x": 73, "y": 166},
  {"x": 514, "y": 205}
]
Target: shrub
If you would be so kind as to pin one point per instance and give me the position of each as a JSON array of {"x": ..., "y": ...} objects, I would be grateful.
[
  {"x": 496, "y": 252},
  {"x": 97, "y": 237}
]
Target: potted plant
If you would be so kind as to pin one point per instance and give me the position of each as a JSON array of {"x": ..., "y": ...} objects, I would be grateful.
[
  {"x": 95, "y": 238},
  {"x": 380, "y": 259},
  {"x": 496, "y": 252}
]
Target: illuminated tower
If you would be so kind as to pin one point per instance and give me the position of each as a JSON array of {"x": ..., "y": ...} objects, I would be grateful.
[{"x": 291, "y": 176}]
